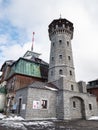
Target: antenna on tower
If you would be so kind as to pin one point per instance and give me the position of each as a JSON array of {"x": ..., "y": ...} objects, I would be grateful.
[{"x": 32, "y": 41}]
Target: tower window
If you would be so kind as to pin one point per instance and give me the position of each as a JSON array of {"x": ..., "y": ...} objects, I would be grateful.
[
  {"x": 72, "y": 87},
  {"x": 60, "y": 56},
  {"x": 52, "y": 58},
  {"x": 60, "y": 71},
  {"x": 90, "y": 107},
  {"x": 74, "y": 104},
  {"x": 51, "y": 73},
  {"x": 44, "y": 104},
  {"x": 53, "y": 43},
  {"x": 67, "y": 43},
  {"x": 70, "y": 72},
  {"x": 69, "y": 58},
  {"x": 60, "y": 41}
]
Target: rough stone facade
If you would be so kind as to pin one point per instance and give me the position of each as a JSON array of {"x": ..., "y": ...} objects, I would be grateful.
[
  {"x": 62, "y": 97},
  {"x": 32, "y": 94},
  {"x": 72, "y": 101}
]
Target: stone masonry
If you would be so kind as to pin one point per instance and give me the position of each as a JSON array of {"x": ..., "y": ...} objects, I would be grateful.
[
  {"x": 72, "y": 100},
  {"x": 61, "y": 97}
]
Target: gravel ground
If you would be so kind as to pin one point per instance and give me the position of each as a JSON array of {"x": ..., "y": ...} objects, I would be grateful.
[{"x": 49, "y": 125}]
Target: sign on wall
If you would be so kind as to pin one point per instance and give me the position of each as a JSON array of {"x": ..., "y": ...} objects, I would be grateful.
[
  {"x": 23, "y": 106},
  {"x": 36, "y": 104}
]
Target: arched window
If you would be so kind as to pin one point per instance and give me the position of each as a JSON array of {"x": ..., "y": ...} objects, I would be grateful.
[
  {"x": 72, "y": 87},
  {"x": 69, "y": 58},
  {"x": 60, "y": 71},
  {"x": 60, "y": 56},
  {"x": 60, "y": 41},
  {"x": 68, "y": 43},
  {"x": 70, "y": 72}
]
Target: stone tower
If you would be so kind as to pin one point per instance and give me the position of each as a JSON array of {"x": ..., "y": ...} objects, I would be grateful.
[
  {"x": 72, "y": 101},
  {"x": 61, "y": 59}
]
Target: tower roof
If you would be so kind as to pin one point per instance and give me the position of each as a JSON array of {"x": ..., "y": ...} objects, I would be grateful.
[{"x": 60, "y": 22}]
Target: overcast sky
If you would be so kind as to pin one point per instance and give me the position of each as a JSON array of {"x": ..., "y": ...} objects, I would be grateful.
[{"x": 19, "y": 18}]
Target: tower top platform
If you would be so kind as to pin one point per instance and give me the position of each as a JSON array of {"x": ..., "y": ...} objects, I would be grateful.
[{"x": 60, "y": 23}]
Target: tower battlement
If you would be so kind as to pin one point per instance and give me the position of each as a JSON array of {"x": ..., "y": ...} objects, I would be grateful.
[{"x": 59, "y": 26}]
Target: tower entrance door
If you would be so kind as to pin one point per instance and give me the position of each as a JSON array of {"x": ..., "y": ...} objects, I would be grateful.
[{"x": 77, "y": 108}]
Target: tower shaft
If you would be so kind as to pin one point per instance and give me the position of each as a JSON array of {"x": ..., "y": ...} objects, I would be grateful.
[{"x": 61, "y": 59}]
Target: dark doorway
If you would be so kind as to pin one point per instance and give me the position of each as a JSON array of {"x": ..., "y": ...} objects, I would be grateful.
[{"x": 19, "y": 106}]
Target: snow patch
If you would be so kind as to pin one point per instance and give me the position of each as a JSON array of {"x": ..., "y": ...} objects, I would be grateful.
[
  {"x": 93, "y": 118},
  {"x": 14, "y": 118},
  {"x": 14, "y": 125},
  {"x": 2, "y": 116},
  {"x": 53, "y": 89},
  {"x": 44, "y": 123}
]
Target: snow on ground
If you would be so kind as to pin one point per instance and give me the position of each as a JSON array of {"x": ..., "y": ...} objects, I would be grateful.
[
  {"x": 18, "y": 122},
  {"x": 14, "y": 118},
  {"x": 93, "y": 118},
  {"x": 2, "y": 116},
  {"x": 14, "y": 125}
]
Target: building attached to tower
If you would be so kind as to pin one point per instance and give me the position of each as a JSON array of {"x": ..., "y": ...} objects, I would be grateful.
[{"x": 61, "y": 97}]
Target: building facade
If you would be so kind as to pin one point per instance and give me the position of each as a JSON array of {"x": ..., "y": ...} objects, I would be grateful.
[
  {"x": 72, "y": 98},
  {"x": 92, "y": 88},
  {"x": 61, "y": 97},
  {"x": 20, "y": 73}
]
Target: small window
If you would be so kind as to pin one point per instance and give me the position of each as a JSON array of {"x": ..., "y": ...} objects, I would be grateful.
[
  {"x": 60, "y": 56},
  {"x": 90, "y": 107},
  {"x": 44, "y": 104},
  {"x": 90, "y": 92},
  {"x": 74, "y": 104},
  {"x": 70, "y": 72},
  {"x": 53, "y": 43},
  {"x": 52, "y": 58},
  {"x": 51, "y": 73},
  {"x": 60, "y": 71},
  {"x": 72, "y": 87},
  {"x": 60, "y": 41},
  {"x": 69, "y": 58},
  {"x": 67, "y": 43}
]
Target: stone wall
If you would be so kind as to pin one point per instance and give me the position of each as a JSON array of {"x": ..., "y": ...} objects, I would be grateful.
[
  {"x": 39, "y": 95},
  {"x": 22, "y": 93},
  {"x": 83, "y": 102}
]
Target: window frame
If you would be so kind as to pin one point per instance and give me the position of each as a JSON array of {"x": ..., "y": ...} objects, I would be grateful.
[
  {"x": 90, "y": 106},
  {"x": 60, "y": 71},
  {"x": 74, "y": 104},
  {"x": 45, "y": 106}
]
